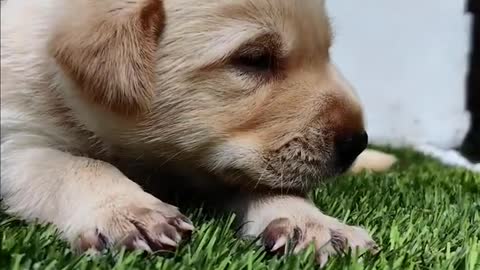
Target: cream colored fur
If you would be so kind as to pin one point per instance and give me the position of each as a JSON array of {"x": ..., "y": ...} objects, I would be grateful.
[{"x": 90, "y": 85}]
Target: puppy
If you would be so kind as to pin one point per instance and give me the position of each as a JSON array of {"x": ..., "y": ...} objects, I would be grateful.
[{"x": 238, "y": 94}]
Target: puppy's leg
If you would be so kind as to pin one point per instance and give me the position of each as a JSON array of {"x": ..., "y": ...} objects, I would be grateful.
[
  {"x": 289, "y": 220},
  {"x": 91, "y": 202},
  {"x": 372, "y": 160}
]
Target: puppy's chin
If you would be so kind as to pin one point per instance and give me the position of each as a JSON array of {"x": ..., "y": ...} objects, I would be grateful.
[
  {"x": 269, "y": 182},
  {"x": 266, "y": 183},
  {"x": 268, "y": 179}
]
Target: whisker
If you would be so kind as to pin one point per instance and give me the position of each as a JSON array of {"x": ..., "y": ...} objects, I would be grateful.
[
  {"x": 172, "y": 157},
  {"x": 282, "y": 179},
  {"x": 260, "y": 178}
]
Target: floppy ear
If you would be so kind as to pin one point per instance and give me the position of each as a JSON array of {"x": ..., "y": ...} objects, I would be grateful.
[{"x": 107, "y": 47}]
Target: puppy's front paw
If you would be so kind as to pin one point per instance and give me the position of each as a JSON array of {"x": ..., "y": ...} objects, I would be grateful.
[
  {"x": 142, "y": 224},
  {"x": 328, "y": 238}
]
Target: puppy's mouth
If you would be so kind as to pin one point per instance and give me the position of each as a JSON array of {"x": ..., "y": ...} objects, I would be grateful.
[
  {"x": 286, "y": 176},
  {"x": 267, "y": 181}
]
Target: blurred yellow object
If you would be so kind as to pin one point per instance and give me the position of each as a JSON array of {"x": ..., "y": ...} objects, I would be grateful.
[{"x": 373, "y": 160}]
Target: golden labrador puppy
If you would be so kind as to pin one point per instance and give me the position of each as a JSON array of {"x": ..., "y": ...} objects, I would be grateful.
[{"x": 238, "y": 94}]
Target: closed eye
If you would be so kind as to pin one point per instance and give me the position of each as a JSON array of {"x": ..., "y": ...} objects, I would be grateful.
[
  {"x": 259, "y": 56},
  {"x": 264, "y": 62}
]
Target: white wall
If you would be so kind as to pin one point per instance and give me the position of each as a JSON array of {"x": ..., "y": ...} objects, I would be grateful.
[{"x": 407, "y": 60}]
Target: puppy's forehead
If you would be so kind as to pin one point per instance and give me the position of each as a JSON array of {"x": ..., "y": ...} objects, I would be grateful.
[
  {"x": 297, "y": 19},
  {"x": 271, "y": 12},
  {"x": 302, "y": 25}
]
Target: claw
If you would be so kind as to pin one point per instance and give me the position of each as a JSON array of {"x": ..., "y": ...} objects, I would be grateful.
[
  {"x": 281, "y": 242},
  {"x": 140, "y": 244},
  {"x": 184, "y": 223},
  {"x": 164, "y": 239}
]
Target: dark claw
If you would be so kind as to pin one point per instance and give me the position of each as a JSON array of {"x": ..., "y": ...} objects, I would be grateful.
[
  {"x": 297, "y": 235},
  {"x": 268, "y": 243},
  {"x": 339, "y": 243},
  {"x": 373, "y": 247},
  {"x": 103, "y": 239}
]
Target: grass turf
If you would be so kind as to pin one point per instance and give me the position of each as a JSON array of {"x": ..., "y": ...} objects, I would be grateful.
[{"x": 423, "y": 215}]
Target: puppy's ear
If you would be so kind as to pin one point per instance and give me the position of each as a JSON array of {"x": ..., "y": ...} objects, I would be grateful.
[{"x": 108, "y": 49}]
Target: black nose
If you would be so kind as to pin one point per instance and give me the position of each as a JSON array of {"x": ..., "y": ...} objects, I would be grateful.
[{"x": 348, "y": 148}]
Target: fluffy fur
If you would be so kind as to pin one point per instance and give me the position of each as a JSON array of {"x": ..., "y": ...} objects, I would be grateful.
[{"x": 237, "y": 94}]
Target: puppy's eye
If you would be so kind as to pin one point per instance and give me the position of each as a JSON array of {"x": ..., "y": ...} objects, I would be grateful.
[{"x": 257, "y": 63}]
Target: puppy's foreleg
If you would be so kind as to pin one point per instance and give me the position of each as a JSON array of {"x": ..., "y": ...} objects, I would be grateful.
[
  {"x": 90, "y": 201},
  {"x": 288, "y": 220}
]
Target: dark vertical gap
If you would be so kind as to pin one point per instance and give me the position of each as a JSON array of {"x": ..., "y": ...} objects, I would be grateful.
[{"x": 471, "y": 144}]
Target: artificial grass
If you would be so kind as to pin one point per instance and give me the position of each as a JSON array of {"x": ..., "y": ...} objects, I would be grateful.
[{"x": 423, "y": 215}]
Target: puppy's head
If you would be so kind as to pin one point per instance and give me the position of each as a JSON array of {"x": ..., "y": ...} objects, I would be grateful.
[{"x": 243, "y": 88}]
